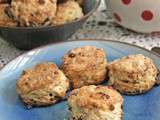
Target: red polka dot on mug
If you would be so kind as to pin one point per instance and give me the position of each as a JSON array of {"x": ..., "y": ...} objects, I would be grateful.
[
  {"x": 147, "y": 15},
  {"x": 126, "y": 2}
]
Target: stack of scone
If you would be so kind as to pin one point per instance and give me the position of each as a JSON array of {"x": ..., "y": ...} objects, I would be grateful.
[
  {"x": 83, "y": 68},
  {"x": 33, "y": 13}
]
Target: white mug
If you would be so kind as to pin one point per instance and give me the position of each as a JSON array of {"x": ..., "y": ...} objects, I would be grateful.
[{"x": 137, "y": 15}]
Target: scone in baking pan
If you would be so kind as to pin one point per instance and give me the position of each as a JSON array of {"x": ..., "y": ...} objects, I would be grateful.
[{"x": 138, "y": 107}]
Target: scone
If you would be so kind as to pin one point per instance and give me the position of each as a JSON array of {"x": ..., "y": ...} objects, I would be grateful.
[
  {"x": 84, "y": 66},
  {"x": 133, "y": 74},
  {"x": 95, "y": 103},
  {"x": 44, "y": 84},
  {"x": 5, "y": 21},
  {"x": 67, "y": 12},
  {"x": 33, "y": 12}
]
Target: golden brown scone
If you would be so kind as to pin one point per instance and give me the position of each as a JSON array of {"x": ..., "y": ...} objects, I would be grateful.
[
  {"x": 67, "y": 12},
  {"x": 33, "y": 12},
  {"x": 5, "y": 21},
  {"x": 95, "y": 103},
  {"x": 44, "y": 84},
  {"x": 133, "y": 74},
  {"x": 84, "y": 66}
]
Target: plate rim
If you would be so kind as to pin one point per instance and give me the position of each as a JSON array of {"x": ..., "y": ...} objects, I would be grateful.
[{"x": 81, "y": 40}]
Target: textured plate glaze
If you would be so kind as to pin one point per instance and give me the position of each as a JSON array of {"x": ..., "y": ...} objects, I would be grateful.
[{"x": 140, "y": 107}]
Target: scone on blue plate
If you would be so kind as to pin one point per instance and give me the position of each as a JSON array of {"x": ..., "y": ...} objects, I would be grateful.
[
  {"x": 44, "y": 84},
  {"x": 84, "y": 66},
  {"x": 133, "y": 74},
  {"x": 95, "y": 103},
  {"x": 66, "y": 12}
]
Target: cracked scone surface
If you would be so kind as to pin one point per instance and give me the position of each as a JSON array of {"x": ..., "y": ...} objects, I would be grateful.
[
  {"x": 33, "y": 12},
  {"x": 133, "y": 74},
  {"x": 4, "y": 19},
  {"x": 66, "y": 12},
  {"x": 44, "y": 84},
  {"x": 84, "y": 66},
  {"x": 95, "y": 103}
]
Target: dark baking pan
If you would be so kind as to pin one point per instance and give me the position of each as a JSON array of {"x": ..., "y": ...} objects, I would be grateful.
[{"x": 30, "y": 37}]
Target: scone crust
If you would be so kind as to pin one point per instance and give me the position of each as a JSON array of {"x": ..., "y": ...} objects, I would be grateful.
[
  {"x": 33, "y": 12},
  {"x": 5, "y": 21},
  {"x": 44, "y": 84},
  {"x": 95, "y": 103},
  {"x": 84, "y": 66},
  {"x": 133, "y": 74},
  {"x": 67, "y": 12}
]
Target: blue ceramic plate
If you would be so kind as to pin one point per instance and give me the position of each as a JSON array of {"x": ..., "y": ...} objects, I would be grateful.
[{"x": 140, "y": 107}]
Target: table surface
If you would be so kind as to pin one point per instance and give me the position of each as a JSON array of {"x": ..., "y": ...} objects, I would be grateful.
[{"x": 99, "y": 26}]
